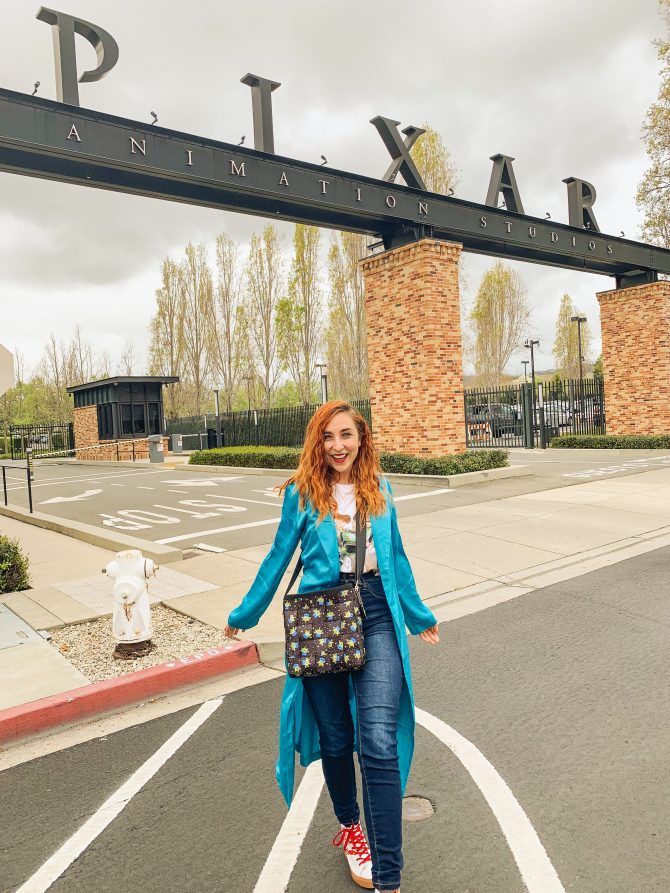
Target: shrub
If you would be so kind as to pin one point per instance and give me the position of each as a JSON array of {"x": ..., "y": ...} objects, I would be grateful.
[
  {"x": 392, "y": 463},
  {"x": 14, "y": 574},
  {"x": 612, "y": 442},
  {"x": 248, "y": 457}
]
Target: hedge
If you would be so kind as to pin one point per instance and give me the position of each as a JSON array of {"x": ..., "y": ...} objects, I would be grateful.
[
  {"x": 14, "y": 574},
  {"x": 611, "y": 442},
  {"x": 398, "y": 463}
]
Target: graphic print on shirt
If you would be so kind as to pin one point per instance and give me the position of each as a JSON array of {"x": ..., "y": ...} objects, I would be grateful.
[{"x": 346, "y": 531}]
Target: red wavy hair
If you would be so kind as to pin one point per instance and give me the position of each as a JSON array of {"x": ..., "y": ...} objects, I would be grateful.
[{"x": 314, "y": 477}]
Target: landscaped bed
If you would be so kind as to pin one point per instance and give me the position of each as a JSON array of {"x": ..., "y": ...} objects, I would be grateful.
[
  {"x": 392, "y": 463},
  {"x": 89, "y": 646},
  {"x": 611, "y": 442}
]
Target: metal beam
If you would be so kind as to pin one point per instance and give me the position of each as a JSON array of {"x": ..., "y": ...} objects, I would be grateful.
[{"x": 42, "y": 138}]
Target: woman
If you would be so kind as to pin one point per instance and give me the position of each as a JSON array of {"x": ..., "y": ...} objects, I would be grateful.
[{"x": 369, "y": 710}]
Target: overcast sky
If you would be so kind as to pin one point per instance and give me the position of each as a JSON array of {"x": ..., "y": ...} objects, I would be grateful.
[{"x": 563, "y": 87}]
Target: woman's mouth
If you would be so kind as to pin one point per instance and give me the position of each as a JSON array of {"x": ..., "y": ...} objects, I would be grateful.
[{"x": 339, "y": 459}]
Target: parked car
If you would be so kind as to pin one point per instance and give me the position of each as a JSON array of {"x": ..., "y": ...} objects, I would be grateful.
[{"x": 494, "y": 419}]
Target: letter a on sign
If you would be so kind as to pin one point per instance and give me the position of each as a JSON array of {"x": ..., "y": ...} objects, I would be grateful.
[
  {"x": 503, "y": 180},
  {"x": 7, "y": 377}
]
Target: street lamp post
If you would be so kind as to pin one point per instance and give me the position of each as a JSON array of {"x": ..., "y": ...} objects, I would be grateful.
[
  {"x": 524, "y": 363},
  {"x": 247, "y": 378},
  {"x": 579, "y": 320},
  {"x": 218, "y": 417},
  {"x": 324, "y": 381},
  {"x": 530, "y": 344}
]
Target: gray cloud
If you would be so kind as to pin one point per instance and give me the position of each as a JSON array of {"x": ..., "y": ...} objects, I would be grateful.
[{"x": 562, "y": 87}]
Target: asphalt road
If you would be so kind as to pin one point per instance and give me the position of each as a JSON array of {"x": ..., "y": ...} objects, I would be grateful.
[
  {"x": 184, "y": 508},
  {"x": 565, "y": 691}
]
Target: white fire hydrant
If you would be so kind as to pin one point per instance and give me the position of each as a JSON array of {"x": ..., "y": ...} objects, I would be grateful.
[{"x": 131, "y": 617}]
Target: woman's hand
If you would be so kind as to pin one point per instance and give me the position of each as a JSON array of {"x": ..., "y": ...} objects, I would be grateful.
[
  {"x": 430, "y": 635},
  {"x": 231, "y": 632}
]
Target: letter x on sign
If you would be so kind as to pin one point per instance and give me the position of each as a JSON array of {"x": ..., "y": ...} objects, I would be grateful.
[{"x": 399, "y": 151}]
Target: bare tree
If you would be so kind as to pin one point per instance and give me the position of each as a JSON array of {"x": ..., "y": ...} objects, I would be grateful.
[
  {"x": 128, "y": 359},
  {"x": 265, "y": 286},
  {"x": 298, "y": 316},
  {"x": 228, "y": 338},
  {"x": 433, "y": 161},
  {"x": 499, "y": 316},
  {"x": 345, "y": 337},
  {"x": 195, "y": 288},
  {"x": 80, "y": 360}
]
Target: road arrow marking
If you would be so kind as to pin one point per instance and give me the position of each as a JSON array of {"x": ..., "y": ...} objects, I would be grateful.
[{"x": 85, "y": 495}]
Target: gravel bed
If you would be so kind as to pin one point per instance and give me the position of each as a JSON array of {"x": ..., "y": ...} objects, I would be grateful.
[{"x": 89, "y": 646}]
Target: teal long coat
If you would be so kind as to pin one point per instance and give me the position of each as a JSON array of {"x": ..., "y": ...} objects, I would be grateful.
[{"x": 321, "y": 569}]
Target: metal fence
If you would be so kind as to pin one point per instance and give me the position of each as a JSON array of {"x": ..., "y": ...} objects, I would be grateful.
[
  {"x": 282, "y": 426},
  {"x": 41, "y": 439},
  {"x": 517, "y": 416}
]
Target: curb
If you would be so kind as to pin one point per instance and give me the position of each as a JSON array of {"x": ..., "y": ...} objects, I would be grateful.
[
  {"x": 418, "y": 480},
  {"x": 100, "y": 697},
  {"x": 115, "y": 542}
]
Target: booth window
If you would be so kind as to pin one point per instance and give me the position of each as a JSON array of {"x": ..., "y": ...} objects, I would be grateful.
[
  {"x": 105, "y": 422},
  {"x": 126, "y": 420},
  {"x": 154, "y": 418},
  {"x": 139, "y": 423}
]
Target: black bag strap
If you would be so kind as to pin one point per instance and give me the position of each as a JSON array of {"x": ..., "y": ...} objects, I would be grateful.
[{"x": 360, "y": 555}]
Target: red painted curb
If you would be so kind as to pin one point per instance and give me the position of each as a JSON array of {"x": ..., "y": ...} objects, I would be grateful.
[{"x": 25, "y": 719}]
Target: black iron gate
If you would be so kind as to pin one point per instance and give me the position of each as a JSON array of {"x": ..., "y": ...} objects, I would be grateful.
[
  {"x": 517, "y": 416},
  {"x": 41, "y": 439}
]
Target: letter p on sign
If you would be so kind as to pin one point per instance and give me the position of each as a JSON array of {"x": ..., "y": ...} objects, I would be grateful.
[{"x": 7, "y": 377}]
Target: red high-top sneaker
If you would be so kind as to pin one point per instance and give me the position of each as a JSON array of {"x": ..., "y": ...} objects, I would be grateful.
[{"x": 357, "y": 851}]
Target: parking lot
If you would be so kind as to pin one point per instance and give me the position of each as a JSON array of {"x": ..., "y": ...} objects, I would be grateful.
[{"x": 233, "y": 511}]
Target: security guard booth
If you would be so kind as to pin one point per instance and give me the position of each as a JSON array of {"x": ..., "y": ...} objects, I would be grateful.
[{"x": 114, "y": 417}]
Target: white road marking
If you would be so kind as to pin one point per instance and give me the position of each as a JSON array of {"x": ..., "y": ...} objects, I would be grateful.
[
  {"x": 177, "y": 491},
  {"x": 207, "y": 548},
  {"x": 285, "y": 850},
  {"x": 117, "y": 485},
  {"x": 208, "y": 482},
  {"x": 61, "y": 860},
  {"x": 421, "y": 495},
  {"x": 190, "y": 536},
  {"x": 84, "y": 495},
  {"x": 53, "y": 482},
  {"x": 537, "y": 872},
  {"x": 239, "y": 499},
  {"x": 146, "y": 488}
]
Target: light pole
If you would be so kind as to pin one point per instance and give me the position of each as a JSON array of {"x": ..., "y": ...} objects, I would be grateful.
[
  {"x": 530, "y": 344},
  {"x": 579, "y": 320},
  {"x": 524, "y": 363},
  {"x": 218, "y": 417},
  {"x": 324, "y": 381}
]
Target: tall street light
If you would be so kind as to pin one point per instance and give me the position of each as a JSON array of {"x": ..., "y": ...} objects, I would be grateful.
[
  {"x": 324, "y": 381},
  {"x": 530, "y": 344},
  {"x": 579, "y": 320},
  {"x": 524, "y": 363}
]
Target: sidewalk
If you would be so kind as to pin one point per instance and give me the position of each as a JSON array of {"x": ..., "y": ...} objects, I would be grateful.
[{"x": 464, "y": 559}]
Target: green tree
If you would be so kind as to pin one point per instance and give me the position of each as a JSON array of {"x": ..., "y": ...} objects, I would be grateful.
[
  {"x": 653, "y": 193},
  {"x": 499, "y": 318},
  {"x": 265, "y": 286},
  {"x": 345, "y": 340},
  {"x": 598, "y": 369},
  {"x": 566, "y": 341},
  {"x": 298, "y": 316},
  {"x": 434, "y": 162}
]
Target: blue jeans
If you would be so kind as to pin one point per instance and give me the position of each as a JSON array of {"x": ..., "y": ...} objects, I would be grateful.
[{"x": 378, "y": 687}]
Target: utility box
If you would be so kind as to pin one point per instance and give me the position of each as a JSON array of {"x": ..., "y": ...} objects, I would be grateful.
[
  {"x": 156, "y": 452},
  {"x": 177, "y": 444}
]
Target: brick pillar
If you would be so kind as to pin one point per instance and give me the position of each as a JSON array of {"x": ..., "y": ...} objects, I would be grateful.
[
  {"x": 412, "y": 309},
  {"x": 85, "y": 426},
  {"x": 635, "y": 325}
]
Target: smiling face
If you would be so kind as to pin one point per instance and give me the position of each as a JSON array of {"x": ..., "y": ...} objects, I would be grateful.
[{"x": 341, "y": 441}]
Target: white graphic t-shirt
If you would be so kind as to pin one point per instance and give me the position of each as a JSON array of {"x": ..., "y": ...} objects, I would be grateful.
[{"x": 346, "y": 531}]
